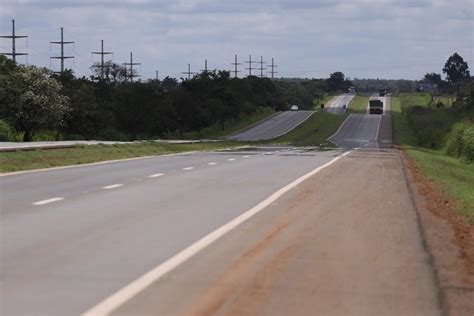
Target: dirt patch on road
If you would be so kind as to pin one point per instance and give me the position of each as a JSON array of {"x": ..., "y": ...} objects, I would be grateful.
[{"x": 449, "y": 239}]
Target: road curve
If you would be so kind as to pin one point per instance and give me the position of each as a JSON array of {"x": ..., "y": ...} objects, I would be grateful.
[{"x": 274, "y": 126}]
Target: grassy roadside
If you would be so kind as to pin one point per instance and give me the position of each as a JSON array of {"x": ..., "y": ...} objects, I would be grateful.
[
  {"x": 314, "y": 131},
  {"x": 358, "y": 104},
  {"x": 453, "y": 177},
  {"x": 36, "y": 159}
]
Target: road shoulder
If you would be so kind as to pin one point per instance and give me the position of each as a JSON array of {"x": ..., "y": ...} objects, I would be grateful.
[{"x": 449, "y": 240}]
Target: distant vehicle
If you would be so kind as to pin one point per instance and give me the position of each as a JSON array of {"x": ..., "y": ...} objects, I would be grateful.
[
  {"x": 294, "y": 108},
  {"x": 375, "y": 106},
  {"x": 351, "y": 90},
  {"x": 382, "y": 93}
]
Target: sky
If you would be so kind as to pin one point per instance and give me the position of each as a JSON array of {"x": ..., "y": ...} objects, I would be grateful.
[{"x": 390, "y": 39}]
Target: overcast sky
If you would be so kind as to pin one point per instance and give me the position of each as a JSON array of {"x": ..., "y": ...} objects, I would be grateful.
[{"x": 307, "y": 38}]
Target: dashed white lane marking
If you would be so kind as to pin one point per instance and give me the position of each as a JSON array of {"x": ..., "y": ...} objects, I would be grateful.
[
  {"x": 231, "y": 159},
  {"x": 114, "y": 301},
  {"x": 212, "y": 163},
  {"x": 188, "y": 168},
  {"x": 156, "y": 175},
  {"x": 246, "y": 156},
  {"x": 43, "y": 202},
  {"x": 113, "y": 186}
]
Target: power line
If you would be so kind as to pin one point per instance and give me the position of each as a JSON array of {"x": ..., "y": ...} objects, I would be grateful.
[
  {"x": 102, "y": 54},
  {"x": 235, "y": 64},
  {"x": 261, "y": 62},
  {"x": 14, "y": 37},
  {"x": 273, "y": 72},
  {"x": 62, "y": 57},
  {"x": 189, "y": 73},
  {"x": 131, "y": 75},
  {"x": 250, "y": 62}
]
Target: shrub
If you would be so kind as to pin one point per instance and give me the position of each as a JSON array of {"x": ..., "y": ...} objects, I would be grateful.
[
  {"x": 460, "y": 142},
  {"x": 6, "y": 132}
]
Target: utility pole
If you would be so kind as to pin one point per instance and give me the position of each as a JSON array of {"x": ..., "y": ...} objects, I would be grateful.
[
  {"x": 157, "y": 78},
  {"x": 62, "y": 57},
  {"x": 261, "y": 62},
  {"x": 250, "y": 62},
  {"x": 273, "y": 66},
  {"x": 235, "y": 64},
  {"x": 131, "y": 64},
  {"x": 14, "y": 37},
  {"x": 189, "y": 73},
  {"x": 102, "y": 54}
]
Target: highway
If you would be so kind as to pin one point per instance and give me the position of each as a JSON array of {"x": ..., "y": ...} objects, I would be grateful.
[
  {"x": 336, "y": 104},
  {"x": 274, "y": 126},
  {"x": 254, "y": 231},
  {"x": 365, "y": 130},
  {"x": 73, "y": 236}
]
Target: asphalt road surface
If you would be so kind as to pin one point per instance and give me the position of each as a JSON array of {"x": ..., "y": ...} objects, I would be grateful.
[
  {"x": 218, "y": 233},
  {"x": 70, "y": 237},
  {"x": 273, "y": 126},
  {"x": 336, "y": 104},
  {"x": 366, "y": 130}
]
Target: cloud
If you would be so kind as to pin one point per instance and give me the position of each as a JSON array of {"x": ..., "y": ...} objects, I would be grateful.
[{"x": 364, "y": 38}]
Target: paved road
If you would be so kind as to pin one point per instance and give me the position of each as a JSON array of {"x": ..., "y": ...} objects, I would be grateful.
[
  {"x": 365, "y": 130},
  {"x": 274, "y": 126},
  {"x": 336, "y": 104},
  {"x": 117, "y": 221}
]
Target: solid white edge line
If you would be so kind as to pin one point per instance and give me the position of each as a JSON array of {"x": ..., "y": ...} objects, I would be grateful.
[
  {"x": 113, "y": 186},
  {"x": 156, "y": 175},
  {"x": 43, "y": 202},
  {"x": 116, "y": 300},
  {"x": 340, "y": 127}
]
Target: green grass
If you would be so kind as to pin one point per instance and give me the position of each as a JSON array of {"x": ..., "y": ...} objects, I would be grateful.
[
  {"x": 314, "y": 131},
  {"x": 36, "y": 159},
  {"x": 414, "y": 98},
  {"x": 230, "y": 126},
  {"x": 450, "y": 174},
  {"x": 358, "y": 104},
  {"x": 324, "y": 100}
]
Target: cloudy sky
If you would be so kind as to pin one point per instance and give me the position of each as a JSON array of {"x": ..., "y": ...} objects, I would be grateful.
[{"x": 307, "y": 38}]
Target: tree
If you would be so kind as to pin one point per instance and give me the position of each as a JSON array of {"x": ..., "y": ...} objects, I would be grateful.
[
  {"x": 337, "y": 82},
  {"x": 31, "y": 100},
  {"x": 456, "y": 69}
]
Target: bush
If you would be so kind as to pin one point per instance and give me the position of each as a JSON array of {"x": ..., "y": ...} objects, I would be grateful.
[
  {"x": 6, "y": 132},
  {"x": 460, "y": 142}
]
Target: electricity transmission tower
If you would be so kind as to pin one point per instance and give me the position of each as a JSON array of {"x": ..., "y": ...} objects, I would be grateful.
[
  {"x": 189, "y": 73},
  {"x": 14, "y": 37},
  {"x": 130, "y": 75},
  {"x": 62, "y": 57},
  {"x": 102, "y": 54},
  {"x": 250, "y": 62},
  {"x": 235, "y": 64},
  {"x": 205, "y": 66},
  {"x": 261, "y": 62},
  {"x": 273, "y": 72}
]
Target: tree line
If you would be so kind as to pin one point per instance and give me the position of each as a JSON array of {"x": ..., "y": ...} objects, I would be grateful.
[{"x": 108, "y": 107}]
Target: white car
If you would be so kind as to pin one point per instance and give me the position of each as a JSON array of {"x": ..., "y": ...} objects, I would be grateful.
[{"x": 294, "y": 108}]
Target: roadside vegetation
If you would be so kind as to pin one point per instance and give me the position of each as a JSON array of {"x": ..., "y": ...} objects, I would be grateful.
[
  {"x": 37, "y": 159},
  {"x": 314, "y": 131},
  {"x": 358, "y": 104},
  {"x": 439, "y": 137}
]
